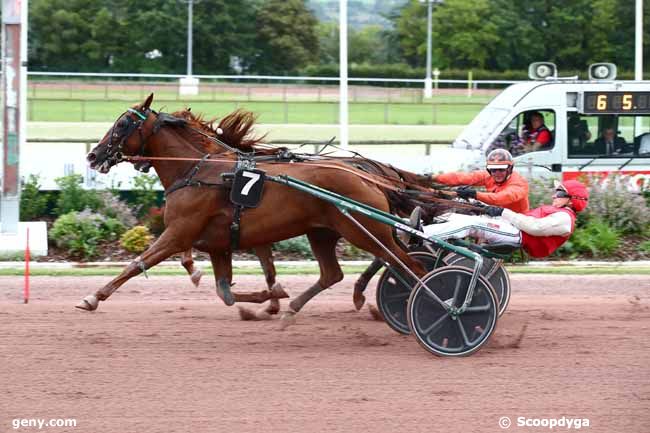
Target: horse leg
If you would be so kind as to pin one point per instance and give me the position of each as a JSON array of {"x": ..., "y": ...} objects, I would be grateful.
[
  {"x": 164, "y": 247},
  {"x": 360, "y": 285},
  {"x": 323, "y": 245},
  {"x": 188, "y": 263},
  {"x": 222, "y": 268},
  {"x": 265, "y": 255}
]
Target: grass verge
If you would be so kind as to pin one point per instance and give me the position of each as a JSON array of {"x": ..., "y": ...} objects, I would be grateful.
[{"x": 313, "y": 270}]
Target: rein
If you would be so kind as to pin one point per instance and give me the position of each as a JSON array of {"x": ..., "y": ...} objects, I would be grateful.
[{"x": 425, "y": 193}]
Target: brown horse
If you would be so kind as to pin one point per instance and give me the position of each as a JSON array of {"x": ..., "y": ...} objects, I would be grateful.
[
  {"x": 200, "y": 214},
  {"x": 400, "y": 205},
  {"x": 242, "y": 122}
]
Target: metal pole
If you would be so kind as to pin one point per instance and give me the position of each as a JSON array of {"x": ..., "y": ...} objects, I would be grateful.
[
  {"x": 638, "y": 46},
  {"x": 343, "y": 73},
  {"x": 638, "y": 55},
  {"x": 427, "y": 79},
  {"x": 14, "y": 88},
  {"x": 190, "y": 7}
]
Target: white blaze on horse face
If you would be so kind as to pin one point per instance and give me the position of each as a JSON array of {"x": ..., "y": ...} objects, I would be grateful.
[{"x": 219, "y": 131}]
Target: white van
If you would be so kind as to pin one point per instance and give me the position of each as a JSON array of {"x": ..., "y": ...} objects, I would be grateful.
[{"x": 596, "y": 127}]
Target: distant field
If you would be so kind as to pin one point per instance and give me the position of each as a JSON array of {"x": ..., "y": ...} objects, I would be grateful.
[
  {"x": 100, "y": 101},
  {"x": 95, "y": 130},
  {"x": 268, "y": 112}
]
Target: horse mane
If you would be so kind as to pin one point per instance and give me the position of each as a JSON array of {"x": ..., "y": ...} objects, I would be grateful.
[{"x": 236, "y": 130}]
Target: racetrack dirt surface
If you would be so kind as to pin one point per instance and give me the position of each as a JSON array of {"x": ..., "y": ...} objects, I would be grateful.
[{"x": 163, "y": 356}]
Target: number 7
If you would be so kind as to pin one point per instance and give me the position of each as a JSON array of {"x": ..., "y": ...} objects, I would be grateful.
[{"x": 254, "y": 177}]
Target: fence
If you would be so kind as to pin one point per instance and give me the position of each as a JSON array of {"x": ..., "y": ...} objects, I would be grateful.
[
  {"x": 55, "y": 157},
  {"x": 100, "y": 97}
]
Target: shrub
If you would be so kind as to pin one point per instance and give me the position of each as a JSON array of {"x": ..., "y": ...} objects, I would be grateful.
[
  {"x": 145, "y": 195},
  {"x": 596, "y": 238},
  {"x": 33, "y": 203},
  {"x": 611, "y": 202},
  {"x": 113, "y": 207},
  {"x": 136, "y": 240},
  {"x": 81, "y": 232},
  {"x": 644, "y": 247},
  {"x": 539, "y": 192},
  {"x": 298, "y": 245},
  {"x": 72, "y": 197}
]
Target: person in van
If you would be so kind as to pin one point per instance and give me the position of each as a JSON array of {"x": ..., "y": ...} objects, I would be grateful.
[
  {"x": 535, "y": 135},
  {"x": 577, "y": 131},
  {"x": 609, "y": 143}
]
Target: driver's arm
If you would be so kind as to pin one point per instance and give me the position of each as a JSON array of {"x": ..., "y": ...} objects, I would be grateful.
[
  {"x": 475, "y": 178},
  {"x": 555, "y": 224}
]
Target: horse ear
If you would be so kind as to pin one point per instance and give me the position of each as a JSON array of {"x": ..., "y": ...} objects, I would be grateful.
[{"x": 147, "y": 102}]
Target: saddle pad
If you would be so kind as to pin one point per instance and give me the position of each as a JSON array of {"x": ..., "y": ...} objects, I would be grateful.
[{"x": 247, "y": 187}]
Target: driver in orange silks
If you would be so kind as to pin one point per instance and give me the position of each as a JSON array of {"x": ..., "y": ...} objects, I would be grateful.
[{"x": 503, "y": 187}]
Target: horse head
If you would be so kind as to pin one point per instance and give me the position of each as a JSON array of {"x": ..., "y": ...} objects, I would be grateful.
[{"x": 122, "y": 140}]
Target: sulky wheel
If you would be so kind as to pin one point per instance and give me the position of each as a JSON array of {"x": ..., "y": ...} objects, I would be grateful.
[
  {"x": 393, "y": 290},
  {"x": 493, "y": 270},
  {"x": 447, "y": 331}
]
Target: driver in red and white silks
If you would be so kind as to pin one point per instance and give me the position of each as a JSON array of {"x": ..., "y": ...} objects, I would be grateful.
[{"x": 539, "y": 231}]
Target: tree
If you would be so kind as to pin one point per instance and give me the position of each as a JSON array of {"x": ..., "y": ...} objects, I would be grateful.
[
  {"x": 286, "y": 37},
  {"x": 63, "y": 34}
]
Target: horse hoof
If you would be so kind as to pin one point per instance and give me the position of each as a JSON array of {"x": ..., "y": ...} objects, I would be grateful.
[
  {"x": 89, "y": 303},
  {"x": 196, "y": 277},
  {"x": 358, "y": 299},
  {"x": 262, "y": 315},
  {"x": 375, "y": 313},
  {"x": 223, "y": 292},
  {"x": 277, "y": 292},
  {"x": 288, "y": 319},
  {"x": 273, "y": 308},
  {"x": 246, "y": 314}
]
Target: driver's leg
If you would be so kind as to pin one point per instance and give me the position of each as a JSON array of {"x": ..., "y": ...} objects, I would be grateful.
[{"x": 485, "y": 229}]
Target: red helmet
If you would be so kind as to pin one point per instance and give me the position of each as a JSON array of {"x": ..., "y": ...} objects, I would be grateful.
[
  {"x": 500, "y": 159},
  {"x": 578, "y": 193}
]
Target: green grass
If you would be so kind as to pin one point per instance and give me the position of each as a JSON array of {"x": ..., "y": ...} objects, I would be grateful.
[
  {"x": 313, "y": 270},
  {"x": 268, "y": 112}
]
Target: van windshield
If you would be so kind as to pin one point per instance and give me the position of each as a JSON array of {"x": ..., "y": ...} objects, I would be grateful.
[{"x": 475, "y": 134}]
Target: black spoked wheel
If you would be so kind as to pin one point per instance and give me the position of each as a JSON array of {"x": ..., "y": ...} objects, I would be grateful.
[
  {"x": 493, "y": 270},
  {"x": 444, "y": 330},
  {"x": 393, "y": 290}
]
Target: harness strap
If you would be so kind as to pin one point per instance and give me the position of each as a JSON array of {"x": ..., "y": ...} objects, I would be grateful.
[{"x": 235, "y": 227}]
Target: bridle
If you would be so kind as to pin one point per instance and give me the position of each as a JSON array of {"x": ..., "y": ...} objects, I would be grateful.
[{"x": 117, "y": 156}]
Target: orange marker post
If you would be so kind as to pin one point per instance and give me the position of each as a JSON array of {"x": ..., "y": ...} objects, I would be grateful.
[{"x": 26, "y": 289}]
